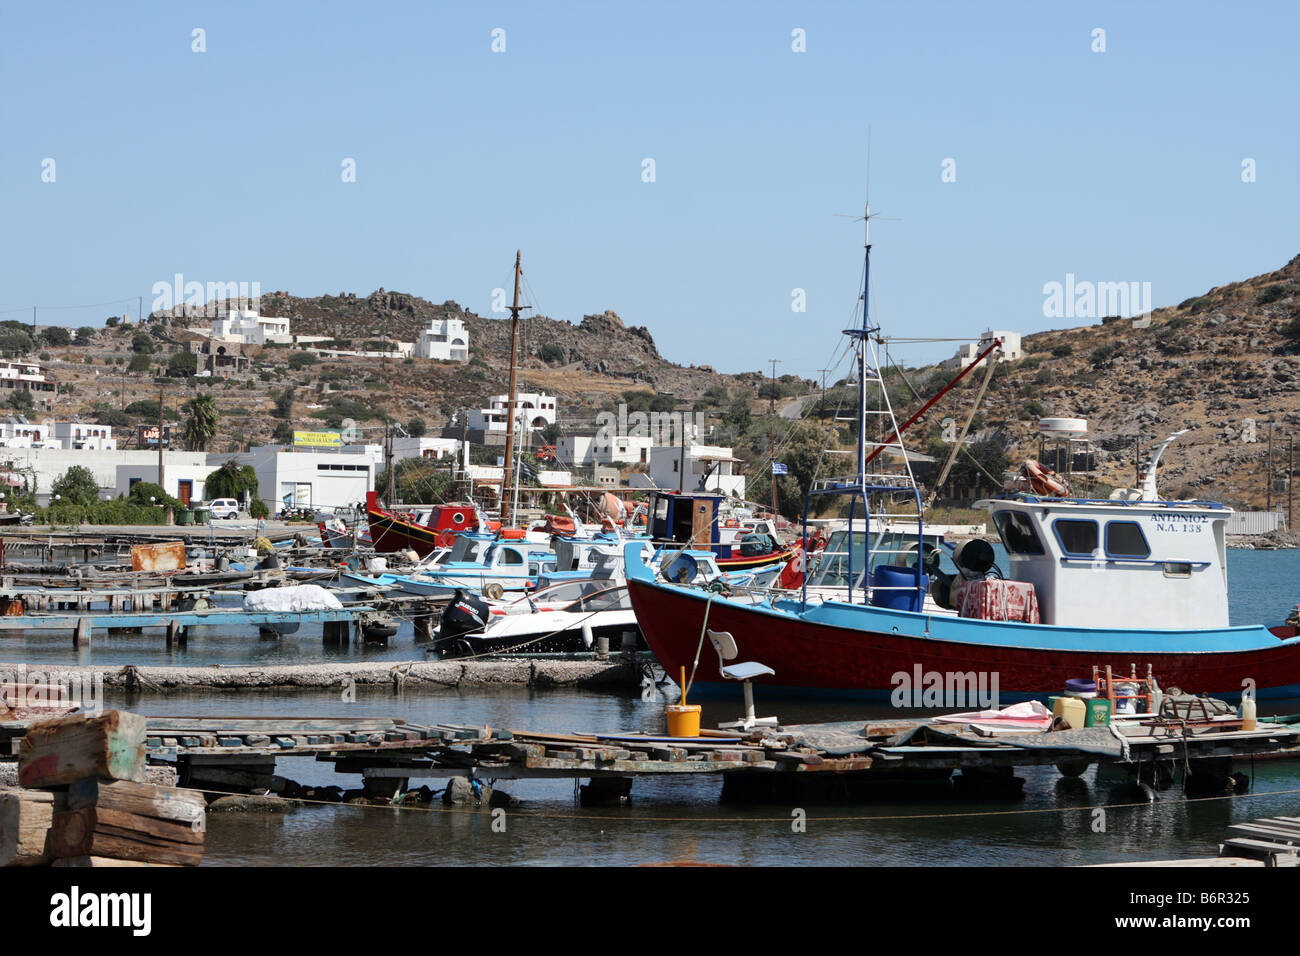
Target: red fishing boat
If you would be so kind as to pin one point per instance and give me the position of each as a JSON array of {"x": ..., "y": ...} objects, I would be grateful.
[{"x": 419, "y": 528}]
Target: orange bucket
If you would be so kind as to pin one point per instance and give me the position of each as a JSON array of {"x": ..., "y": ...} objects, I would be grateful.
[{"x": 683, "y": 720}]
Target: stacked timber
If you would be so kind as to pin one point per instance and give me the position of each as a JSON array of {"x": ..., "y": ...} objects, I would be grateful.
[{"x": 85, "y": 793}]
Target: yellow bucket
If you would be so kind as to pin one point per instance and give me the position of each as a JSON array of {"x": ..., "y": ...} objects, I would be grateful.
[{"x": 683, "y": 720}]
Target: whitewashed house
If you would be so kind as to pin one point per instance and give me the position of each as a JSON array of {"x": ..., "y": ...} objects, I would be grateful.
[
  {"x": 445, "y": 339},
  {"x": 533, "y": 410},
  {"x": 248, "y": 327},
  {"x": 674, "y": 467}
]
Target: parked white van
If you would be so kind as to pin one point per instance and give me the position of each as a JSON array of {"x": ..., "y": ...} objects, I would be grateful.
[{"x": 225, "y": 508}]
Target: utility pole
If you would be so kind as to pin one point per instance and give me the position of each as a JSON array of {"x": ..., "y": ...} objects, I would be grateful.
[
  {"x": 510, "y": 411},
  {"x": 388, "y": 457},
  {"x": 160, "y": 442},
  {"x": 772, "y": 457},
  {"x": 1269, "y": 474},
  {"x": 824, "y": 372}
]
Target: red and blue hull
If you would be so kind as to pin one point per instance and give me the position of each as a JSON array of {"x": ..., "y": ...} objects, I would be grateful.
[{"x": 843, "y": 650}]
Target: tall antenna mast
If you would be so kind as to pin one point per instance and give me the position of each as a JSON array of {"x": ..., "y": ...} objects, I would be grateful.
[{"x": 510, "y": 413}]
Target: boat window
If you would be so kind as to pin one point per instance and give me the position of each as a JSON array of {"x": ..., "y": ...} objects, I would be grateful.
[
  {"x": 511, "y": 556},
  {"x": 1076, "y": 535},
  {"x": 1017, "y": 533},
  {"x": 1124, "y": 539}
]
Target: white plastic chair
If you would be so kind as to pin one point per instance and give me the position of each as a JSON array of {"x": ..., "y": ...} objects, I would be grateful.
[{"x": 744, "y": 672}]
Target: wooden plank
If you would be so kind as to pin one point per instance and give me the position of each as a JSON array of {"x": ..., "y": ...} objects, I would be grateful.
[
  {"x": 25, "y": 819},
  {"x": 165, "y": 803},
  {"x": 108, "y": 745},
  {"x": 126, "y": 836}
]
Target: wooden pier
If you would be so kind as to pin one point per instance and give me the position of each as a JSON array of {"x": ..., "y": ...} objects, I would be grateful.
[{"x": 814, "y": 761}]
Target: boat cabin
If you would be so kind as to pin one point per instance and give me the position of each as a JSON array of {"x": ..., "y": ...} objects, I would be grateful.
[
  {"x": 1115, "y": 563},
  {"x": 684, "y": 518},
  {"x": 694, "y": 519}
]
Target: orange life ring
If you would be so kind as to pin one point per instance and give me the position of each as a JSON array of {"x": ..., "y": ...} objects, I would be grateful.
[
  {"x": 732, "y": 523},
  {"x": 1043, "y": 480}
]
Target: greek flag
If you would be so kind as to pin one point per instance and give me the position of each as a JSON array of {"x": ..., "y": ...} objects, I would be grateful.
[{"x": 779, "y": 469}]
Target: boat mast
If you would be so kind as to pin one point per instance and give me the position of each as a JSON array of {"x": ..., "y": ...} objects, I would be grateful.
[
  {"x": 862, "y": 351},
  {"x": 510, "y": 413}
]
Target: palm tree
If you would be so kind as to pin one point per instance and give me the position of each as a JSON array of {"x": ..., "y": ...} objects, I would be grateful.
[{"x": 200, "y": 422}]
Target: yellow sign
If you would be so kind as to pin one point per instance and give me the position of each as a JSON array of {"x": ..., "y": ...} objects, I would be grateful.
[{"x": 318, "y": 439}]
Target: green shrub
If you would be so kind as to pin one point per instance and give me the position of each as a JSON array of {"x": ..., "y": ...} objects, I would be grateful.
[
  {"x": 1103, "y": 353},
  {"x": 1274, "y": 292},
  {"x": 1061, "y": 351}
]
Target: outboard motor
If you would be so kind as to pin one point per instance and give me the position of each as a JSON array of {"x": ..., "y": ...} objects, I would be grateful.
[{"x": 467, "y": 614}]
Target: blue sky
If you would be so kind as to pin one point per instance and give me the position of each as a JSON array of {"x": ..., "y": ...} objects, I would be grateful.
[{"x": 225, "y": 165}]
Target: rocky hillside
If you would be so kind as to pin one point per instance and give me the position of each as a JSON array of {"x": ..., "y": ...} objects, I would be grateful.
[
  {"x": 1224, "y": 365},
  {"x": 588, "y": 365}
]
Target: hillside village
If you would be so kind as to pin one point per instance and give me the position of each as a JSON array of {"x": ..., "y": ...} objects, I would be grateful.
[{"x": 318, "y": 395}]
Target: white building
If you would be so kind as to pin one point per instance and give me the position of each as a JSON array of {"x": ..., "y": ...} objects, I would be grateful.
[
  {"x": 667, "y": 471},
  {"x": 309, "y": 479},
  {"x": 602, "y": 449},
  {"x": 1011, "y": 349},
  {"x": 248, "y": 327},
  {"x": 533, "y": 410},
  {"x": 28, "y": 375},
  {"x": 184, "y": 473},
  {"x": 113, "y": 470},
  {"x": 88, "y": 435},
  {"x": 425, "y": 446},
  {"x": 444, "y": 339},
  {"x": 20, "y": 433}
]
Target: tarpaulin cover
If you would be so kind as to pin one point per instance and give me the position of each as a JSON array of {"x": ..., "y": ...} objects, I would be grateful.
[{"x": 300, "y": 597}]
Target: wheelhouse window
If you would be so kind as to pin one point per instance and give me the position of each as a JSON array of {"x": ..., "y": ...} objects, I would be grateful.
[
  {"x": 1124, "y": 539},
  {"x": 1077, "y": 537},
  {"x": 1017, "y": 533}
]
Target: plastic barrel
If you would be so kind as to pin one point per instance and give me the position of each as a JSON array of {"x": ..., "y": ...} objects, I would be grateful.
[
  {"x": 886, "y": 581},
  {"x": 185, "y": 516}
]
